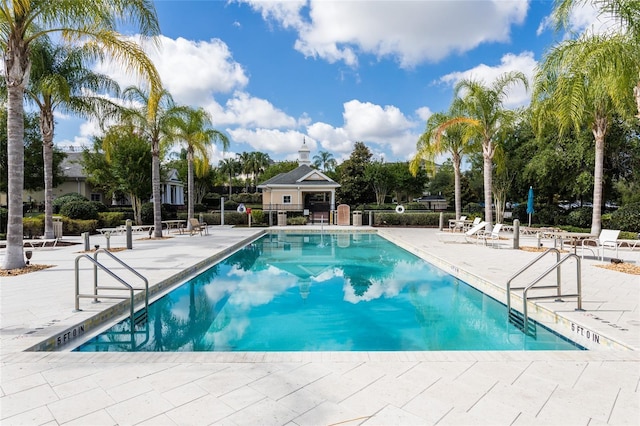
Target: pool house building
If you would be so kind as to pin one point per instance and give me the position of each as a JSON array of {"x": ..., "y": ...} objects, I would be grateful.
[{"x": 303, "y": 189}]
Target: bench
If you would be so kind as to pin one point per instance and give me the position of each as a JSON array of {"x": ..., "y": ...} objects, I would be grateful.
[{"x": 40, "y": 242}]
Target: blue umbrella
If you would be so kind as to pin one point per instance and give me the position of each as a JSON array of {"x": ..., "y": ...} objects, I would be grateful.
[{"x": 530, "y": 204}]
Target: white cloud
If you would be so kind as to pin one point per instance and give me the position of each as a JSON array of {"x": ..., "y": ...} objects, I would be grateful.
[
  {"x": 192, "y": 71},
  {"x": 411, "y": 32},
  {"x": 367, "y": 121},
  {"x": 424, "y": 113},
  {"x": 381, "y": 128},
  {"x": 273, "y": 140},
  {"x": 517, "y": 95},
  {"x": 584, "y": 16},
  {"x": 245, "y": 110},
  {"x": 88, "y": 130}
]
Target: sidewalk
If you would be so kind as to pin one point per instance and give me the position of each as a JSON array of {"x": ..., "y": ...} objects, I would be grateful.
[{"x": 599, "y": 386}]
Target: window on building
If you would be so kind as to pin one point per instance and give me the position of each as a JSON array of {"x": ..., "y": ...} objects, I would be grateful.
[
  {"x": 96, "y": 197},
  {"x": 286, "y": 199}
]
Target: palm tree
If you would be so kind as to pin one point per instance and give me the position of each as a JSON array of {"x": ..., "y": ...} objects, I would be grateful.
[
  {"x": 324, "y": 160},
  {"x": 79, "y": 22},
  {"x": 245, "y": 160},
  {"x": 152, "y": 117},
  {"x": 58, "y": 79},
  {"x": 574, "y": 86},
  {"x": 259, "y": 162},
  {"x": 624, "y": 13},
  {"x": 192, "y": 127},
  {"x": 479, "y": 109},
  {"x": 230, "y": 167},
  {"x": 452, "y": 142}
]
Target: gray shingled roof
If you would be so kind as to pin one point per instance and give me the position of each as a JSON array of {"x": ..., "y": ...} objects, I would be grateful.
[
  {"x": 292, "y": 177},
  {"x": 71, "y": 167}
]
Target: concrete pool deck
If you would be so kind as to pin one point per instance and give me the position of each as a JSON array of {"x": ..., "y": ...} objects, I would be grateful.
[{"x": 599, "y": 386}]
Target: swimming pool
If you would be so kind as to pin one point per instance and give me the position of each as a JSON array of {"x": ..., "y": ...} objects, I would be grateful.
[{"x": 324, "y": 292}]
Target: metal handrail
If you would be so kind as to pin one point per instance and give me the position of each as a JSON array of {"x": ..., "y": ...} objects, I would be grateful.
[
  {"x": 556, "y": 267},
  {"x": 527, "y": 266},
  {"x": 127, "y": 286},
  {"x": 136, "y": 273},
  {"x": 578, "y": 293}
]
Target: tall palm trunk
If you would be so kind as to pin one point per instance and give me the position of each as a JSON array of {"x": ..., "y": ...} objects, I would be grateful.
[
  {"x": 46, "y": 130},
  {"x": 636, "y": 92},
  {"x": 17, "y": 68},
  {"x": 155, "y": 188},
  {"x": 599, "y": 132},
  {"x": 190, "y": 180},
  {"x": 456, "y": 184},
  {"x": 487, "y": 155}
]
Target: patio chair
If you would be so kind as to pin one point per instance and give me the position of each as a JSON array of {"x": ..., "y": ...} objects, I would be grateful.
[
  {"x": 608, "y": 239},
  {"x": 457, "y": 224},
  {"x": 197, "y": 226},
  {"x": 458, "y": 237},
  {"x": 490, "y": 237}
]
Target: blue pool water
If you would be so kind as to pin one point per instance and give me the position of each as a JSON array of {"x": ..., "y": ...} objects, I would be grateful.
[{"x": 324, "y": 292}]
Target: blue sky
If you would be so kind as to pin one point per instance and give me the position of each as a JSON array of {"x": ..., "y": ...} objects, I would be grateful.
[{"x": 334, "y": 72}]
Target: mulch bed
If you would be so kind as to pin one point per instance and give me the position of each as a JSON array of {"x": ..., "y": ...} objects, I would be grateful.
[
  {"x": 26, "y": 270},
  {"x": 625, "y": 268}
]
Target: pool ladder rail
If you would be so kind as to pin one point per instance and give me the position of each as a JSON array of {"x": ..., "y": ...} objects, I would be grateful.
[
  {"x": 136, "y": 319},
  {"x": 521, "y": 319}
]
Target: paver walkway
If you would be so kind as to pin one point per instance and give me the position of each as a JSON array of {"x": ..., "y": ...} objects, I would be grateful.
[{"x": 599, "y": 386}]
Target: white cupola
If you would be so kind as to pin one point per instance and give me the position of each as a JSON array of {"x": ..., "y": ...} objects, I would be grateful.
[{"x": 303, "y": 154}]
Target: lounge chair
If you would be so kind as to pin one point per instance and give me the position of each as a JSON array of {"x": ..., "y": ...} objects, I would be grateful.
[
  {"x": 474, "y": 223},
  {"x": 493, "y": 237},
  {"x": 197, "y": 226},
  {"x": 458, "y": 237},
  {"x": 608, "y": 239}
]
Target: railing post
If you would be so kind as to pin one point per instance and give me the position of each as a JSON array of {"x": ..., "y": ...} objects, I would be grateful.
[
  {"x": 129, "y": 237},
  {"x": 221, "y": 211},
  {"x": 77, "y": 303},
  {"x": 85, "y": 239},
  {"x": 579, "y": 282}
]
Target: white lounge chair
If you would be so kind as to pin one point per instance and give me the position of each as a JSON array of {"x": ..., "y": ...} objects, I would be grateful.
[
  {"x": 459, "y": 237},
  {"x": 608, "y": 239},
  {"x": 490, "y": 237}
]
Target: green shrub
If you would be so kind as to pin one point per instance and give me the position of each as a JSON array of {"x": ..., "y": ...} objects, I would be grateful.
[
  {"x": 146, "y": 213},
  {"x": 245, "y": 198},
  {"x": 78, "y": 226},
  {"x": 548, "y": 215},
  {"x": 297, "y": 220},
  {"x": 580, "y": 217},
  {"x": 110, "y": 219},
  {"x": 473, "y": 208},
  {"x": 100, "y": 206},
  {"x": 626, "y": 218},
  {"x": 230, "y": 205},
  {"x": 4, "y": 217},
  {"x": 409, "y": 219},
  {"x": 64, "y": 199},
  {"x": 33, "y": 226},
  {"x": 169, "y": 212},
  {"x": 79, "y": 209},
  {"x": 257, "y": 216},
  {"x": 199, "y": 208}
]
